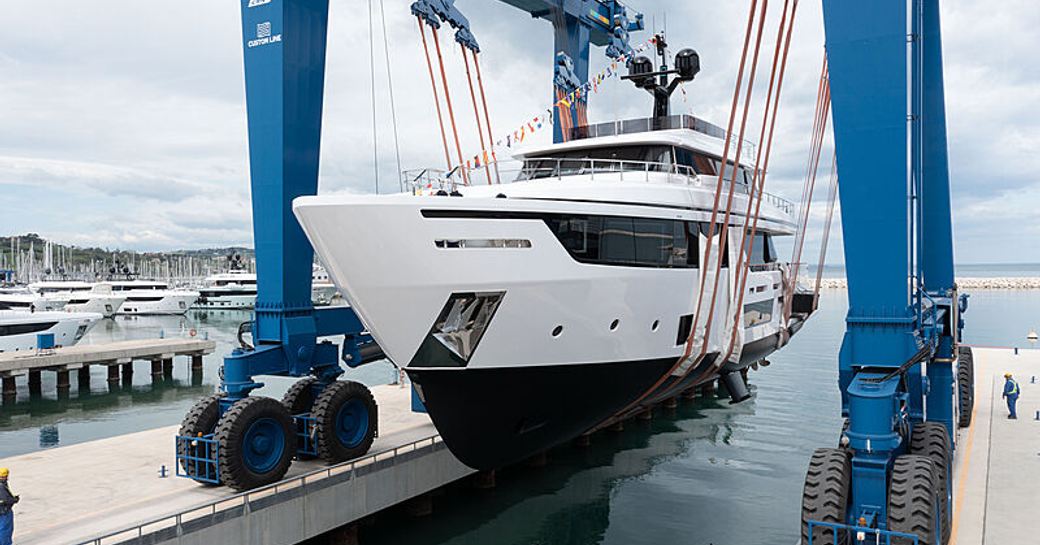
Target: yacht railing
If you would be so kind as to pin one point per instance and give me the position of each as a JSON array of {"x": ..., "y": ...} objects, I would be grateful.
[
  {"x": 620, "y": 170},
  {"x": 650, "y": 124}
]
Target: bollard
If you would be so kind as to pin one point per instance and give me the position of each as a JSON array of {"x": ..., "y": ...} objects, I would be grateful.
[
  {"x": 1037, "y": 415},
  {"x": 163, "y": 472},
  {"x": 1016, "y": 350}
]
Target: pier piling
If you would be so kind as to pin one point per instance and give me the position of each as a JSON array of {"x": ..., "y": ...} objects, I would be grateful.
[
  {"x": 35, "y": 384},
  {"x": 167, "y": 367},
  {"x": 113, "y": 374},
  {"x": 157, "y": 368},
  {"x": 9, "y": 389},
  {"x": 83, "y": 377},
  {"x": 63, "y": 383}
]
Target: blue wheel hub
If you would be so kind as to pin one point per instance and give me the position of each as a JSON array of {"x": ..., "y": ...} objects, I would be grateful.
[
  {"x": 352, "y": 423},
  {"x": 263, "y": 445}
]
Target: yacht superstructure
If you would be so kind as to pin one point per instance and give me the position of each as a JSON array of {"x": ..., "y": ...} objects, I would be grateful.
[
  {"x": 22, "y": 298},
  {"x": 530, "y": 312},
  {"x": 153, "y": 297},
  {"x": 234, "y": 289},
  {"x": 83, "y": 296}
]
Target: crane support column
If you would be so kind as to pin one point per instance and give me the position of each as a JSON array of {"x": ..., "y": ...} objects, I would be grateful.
[{"x": 898, "y": 366}]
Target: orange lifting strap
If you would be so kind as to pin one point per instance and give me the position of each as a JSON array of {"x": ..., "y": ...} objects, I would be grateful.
[
  {"x": 476, "y": 113},
  {"x": 487, "y": 117},
  {"x": 729, "y": 200},
  {"x": 823, "y": 103},
  {"x": 776, "y": 81},
  {"x": 718, "y": 192},
  {"x": 436, "y": 98},
  {"x": 451, "y": 111}
]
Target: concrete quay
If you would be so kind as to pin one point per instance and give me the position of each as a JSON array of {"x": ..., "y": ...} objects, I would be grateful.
[
  {"x": 118, "y": 357},
  {"x": 112, "y": 491},
  {"x": 997, "y": 464}
]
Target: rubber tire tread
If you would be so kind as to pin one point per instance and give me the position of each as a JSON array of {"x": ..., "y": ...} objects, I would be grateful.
[
  {"x": 965, "y": 386},
  {"x": 912, "y": 499},
  {"x": 325, "y": 408},
  {"x": 931, "y": 439},
  {"x": 299, "y": 398},
  {"x": 201, "y": 418},
  {"x": 825, "y": 496},
  {"x": 229, "y": 435}
]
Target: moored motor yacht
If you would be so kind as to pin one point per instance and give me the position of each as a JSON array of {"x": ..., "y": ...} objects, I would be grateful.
[
  {"x": 152, "y": 297},
  {"x": 22, "y": 298},
  {"x": 83, "y": 296},
  {"x": 234, "y": 289},
  {"x": 530, "y": 312},
  {"x": 19, "y": 330}
]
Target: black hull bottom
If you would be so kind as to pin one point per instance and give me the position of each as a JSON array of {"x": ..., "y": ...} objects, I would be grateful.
[{"x": 491, "y": 418}]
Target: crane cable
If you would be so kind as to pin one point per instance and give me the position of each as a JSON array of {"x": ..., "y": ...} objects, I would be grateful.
[
  {"x": 436, "y": 98},
  {"x": 372, "y": 68},
  {"x": 476, "y": 113},
  {"x": 487, "y": 116},
  {"x": 451, "y": 111},
  {"x": 820, "y": 125},
  {"x": 729, "y": 133},
  {"x": 756, "y": 192},
  {"x": 393, "y": 104}
]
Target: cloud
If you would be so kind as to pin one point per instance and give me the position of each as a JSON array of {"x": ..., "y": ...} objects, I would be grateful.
[{"x": 126, "y": 126}]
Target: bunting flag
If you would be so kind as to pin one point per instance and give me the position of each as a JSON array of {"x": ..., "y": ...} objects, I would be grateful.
[{"x": 536, "y": 123}]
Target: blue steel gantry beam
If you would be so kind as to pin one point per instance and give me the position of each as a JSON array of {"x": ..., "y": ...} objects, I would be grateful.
[{"x": 576, "y": 25}]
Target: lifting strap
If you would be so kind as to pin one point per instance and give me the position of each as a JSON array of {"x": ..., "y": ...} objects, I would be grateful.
[
  {"x": 832, "y": 193},
  {"x": 823, "y": 102},
  {"x": 756, "y": 191},
  {"x": 436, "y": 99},
  {"x": 451, "y": 111},
  {"x": 487, "y": 117},
  {"x": 729, "y": 206},
  {"x": 718, "y": 191},
  {"x": 476, "y": 113}
]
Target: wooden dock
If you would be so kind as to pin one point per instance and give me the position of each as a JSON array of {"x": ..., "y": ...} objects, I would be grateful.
[{"x": 119, "y": 357}]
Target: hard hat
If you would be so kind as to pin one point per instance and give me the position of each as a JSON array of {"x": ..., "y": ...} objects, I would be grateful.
[
  {"x": 4, "y": 472},
  {"x": 1007, "y": 375}
]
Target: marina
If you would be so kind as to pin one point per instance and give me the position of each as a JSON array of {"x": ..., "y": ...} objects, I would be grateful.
[{"x": 600, "y": 326}]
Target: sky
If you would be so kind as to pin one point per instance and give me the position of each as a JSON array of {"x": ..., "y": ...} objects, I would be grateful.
[{"x": 123, "y": 125}]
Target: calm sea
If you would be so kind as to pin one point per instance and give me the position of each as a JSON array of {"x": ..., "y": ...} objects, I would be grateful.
[{"x": 707, "y": 473}]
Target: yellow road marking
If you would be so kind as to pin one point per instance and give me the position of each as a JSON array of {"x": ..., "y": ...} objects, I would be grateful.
[{"x": 962, "y": 477}]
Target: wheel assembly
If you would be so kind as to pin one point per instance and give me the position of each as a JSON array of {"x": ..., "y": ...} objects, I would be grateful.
[
  {"x": 345, "y": 413},
  {"x": 965, "y": 385},
  {"x": 201, "y": 420},
  {"x": 257, "y": 442},
  {"x": 913, "y": 501},
  {"x": 825, "y": 497},
  {"x": 930, "y": 439},
  {"x": 299, "y": 398}
]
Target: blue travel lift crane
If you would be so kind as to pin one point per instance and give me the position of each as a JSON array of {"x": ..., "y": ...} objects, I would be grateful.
[
  {"x": 905, "y": 381},
  {"x": 245, "y": 441}
]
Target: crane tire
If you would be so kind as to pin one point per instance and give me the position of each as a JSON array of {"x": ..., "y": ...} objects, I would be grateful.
[
  {"x": 347, "y": 417},
  {"x": 913, "y": 500},
  {"x": 825, "y": 496},
  {"x": 932, "y": 440},
  {"x": 201, "y": 420}
]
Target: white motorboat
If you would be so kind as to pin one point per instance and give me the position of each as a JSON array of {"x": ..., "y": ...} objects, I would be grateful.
[
  {"x": 83, "y": 296},
  {"x": 22, "y": 298},
  {"x": 152, "y": 297},
  {"x": 530, "y": 312},
  {"x": 19, "y": 330}
]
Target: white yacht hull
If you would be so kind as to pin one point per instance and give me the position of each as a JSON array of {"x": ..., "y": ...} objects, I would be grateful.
[
  {"x": 568, "y": 344},
  {"x": 106, "y": 305},
  {"x": 19, "y": 330},
  {"x": 152, "y": 302}
]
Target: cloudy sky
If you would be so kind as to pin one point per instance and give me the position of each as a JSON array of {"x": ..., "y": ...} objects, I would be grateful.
[{"x": 122, "y": 122}]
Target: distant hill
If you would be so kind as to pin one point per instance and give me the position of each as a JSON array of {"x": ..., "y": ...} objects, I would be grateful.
[{"x": 30, "y": 254}]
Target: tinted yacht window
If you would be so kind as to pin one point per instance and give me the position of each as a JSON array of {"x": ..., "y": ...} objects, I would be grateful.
[
  {"x": 574, "y": 162},
  {"x": 625, "y": 241}
]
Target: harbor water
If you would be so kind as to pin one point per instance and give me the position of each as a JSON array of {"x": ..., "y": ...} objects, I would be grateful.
[{"x": 704, "y": 473}]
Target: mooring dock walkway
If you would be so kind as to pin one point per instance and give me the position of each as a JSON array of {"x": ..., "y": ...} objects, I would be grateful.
[
  {"x": 997, "y": 467},
  {"x": 74, "y": 494}
]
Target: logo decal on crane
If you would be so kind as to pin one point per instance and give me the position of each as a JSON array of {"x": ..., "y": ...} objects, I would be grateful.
[
  {"x": 263, "y": 35},
  {"x": 255, "y": 3}
]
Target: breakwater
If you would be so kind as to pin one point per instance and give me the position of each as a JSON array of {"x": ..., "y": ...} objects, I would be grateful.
[{"x": 969, "y": 283}]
